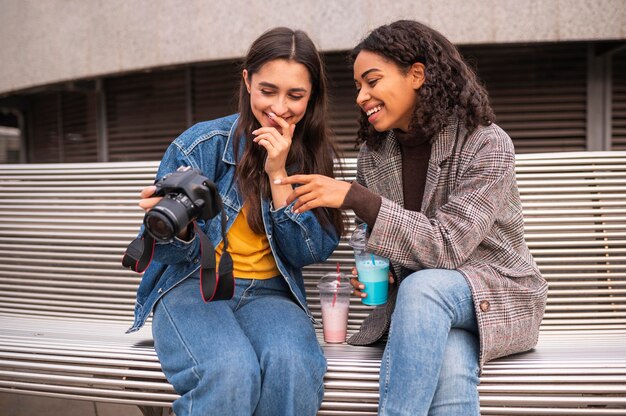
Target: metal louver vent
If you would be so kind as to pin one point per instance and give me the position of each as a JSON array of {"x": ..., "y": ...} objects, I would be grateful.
[
  {"x": 343, "y": 109},
  {"x": 64, "y": 128},
  {"x": 145, "y": 112},
  {"x": 79, "y": 127},
  {"x": 618, "y": 125},
  {"x": 538, "y": 93},
  {"x": 214, "y": 90},
  {"x": 45, "y": 145}
]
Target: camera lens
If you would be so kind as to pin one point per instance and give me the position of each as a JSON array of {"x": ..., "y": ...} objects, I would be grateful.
[
  {"x": 159, "y": 226},
  {"x": 167, "y": 218}
]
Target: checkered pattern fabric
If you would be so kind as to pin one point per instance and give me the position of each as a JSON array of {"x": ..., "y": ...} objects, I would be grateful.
[{"x": 470, "y": 221}]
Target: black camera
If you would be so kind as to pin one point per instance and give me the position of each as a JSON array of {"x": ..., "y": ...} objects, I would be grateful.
[{"x": 187, "y": 196}]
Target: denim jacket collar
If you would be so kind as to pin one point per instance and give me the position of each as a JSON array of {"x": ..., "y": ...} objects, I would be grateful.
[{"x": 229, "y": 150}]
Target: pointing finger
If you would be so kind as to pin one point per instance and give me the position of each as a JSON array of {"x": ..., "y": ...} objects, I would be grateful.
[{"x": 294, "y": 179}]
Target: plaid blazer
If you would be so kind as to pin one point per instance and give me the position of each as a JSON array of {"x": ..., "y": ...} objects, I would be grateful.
[{"x": 470, "y": 221}]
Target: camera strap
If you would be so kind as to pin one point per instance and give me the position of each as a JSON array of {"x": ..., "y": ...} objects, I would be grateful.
[
  {"x": 139, "y": 253},
  {"x": 214, "y": 285}
]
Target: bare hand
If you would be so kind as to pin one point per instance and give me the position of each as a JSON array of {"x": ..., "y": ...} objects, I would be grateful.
[
  {"x": 277, "y": 146},
  {"x": 315, "y": 191},
  {"x": 358, "y": 286},
  {"x": 147, "y": 200}
]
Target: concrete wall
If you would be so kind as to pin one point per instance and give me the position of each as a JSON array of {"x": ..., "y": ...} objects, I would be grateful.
[{"x": 47, "y": 41}]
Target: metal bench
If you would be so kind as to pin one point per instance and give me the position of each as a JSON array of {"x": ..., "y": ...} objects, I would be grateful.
[{"x": 65, "y": 301}]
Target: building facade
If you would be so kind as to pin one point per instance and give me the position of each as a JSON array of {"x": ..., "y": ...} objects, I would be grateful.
[{"x": 87, "y": 81}]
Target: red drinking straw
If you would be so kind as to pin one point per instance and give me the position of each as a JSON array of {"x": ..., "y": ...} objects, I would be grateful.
[{"x": 337, "y": 288}]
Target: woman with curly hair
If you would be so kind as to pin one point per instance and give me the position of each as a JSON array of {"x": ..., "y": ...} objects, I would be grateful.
[{"x": 436, "y": 187}]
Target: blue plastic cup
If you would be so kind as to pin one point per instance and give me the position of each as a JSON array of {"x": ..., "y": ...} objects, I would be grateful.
[{"x": 373, "y": 272}]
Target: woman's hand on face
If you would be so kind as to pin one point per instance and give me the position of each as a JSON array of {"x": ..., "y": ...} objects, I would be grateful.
[
  {"x": 277, "y": 146},
  {"x": 147, "y": 200},
  {"x": 315, "y": 191},
  {"x": 358, "y": 286}
]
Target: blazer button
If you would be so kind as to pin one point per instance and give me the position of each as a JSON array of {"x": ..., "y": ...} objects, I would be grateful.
[{"x": 484, "y": 306}]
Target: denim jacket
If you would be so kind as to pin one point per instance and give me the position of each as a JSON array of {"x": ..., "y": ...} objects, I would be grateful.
[{"x": 296, "y": 240}]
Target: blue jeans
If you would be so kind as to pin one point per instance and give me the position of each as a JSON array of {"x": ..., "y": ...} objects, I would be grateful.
[
  {"x": 256, "y": 354},
  {"x": 430, "y": 365}
]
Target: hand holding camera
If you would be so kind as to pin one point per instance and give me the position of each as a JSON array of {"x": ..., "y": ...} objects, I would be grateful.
[
  {"x": 172, "y": 204},
  {"x": 148, "y": 201},
  {"x": 176, "y": 200},
  {"x": 147, "y": 198}
]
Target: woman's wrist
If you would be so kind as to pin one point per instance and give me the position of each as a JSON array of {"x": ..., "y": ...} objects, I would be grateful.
[
  {"x": 280, "y": 174},
  {"x": 279, "y": 192},
  {"x": 363, "y": 202}
]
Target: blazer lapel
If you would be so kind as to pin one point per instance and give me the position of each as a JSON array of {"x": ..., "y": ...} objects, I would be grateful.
[
  {"x": 386, "y": 176},
  {"x": 443, "y": 147}
]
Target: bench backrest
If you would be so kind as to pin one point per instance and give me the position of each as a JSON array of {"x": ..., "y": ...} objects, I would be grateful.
[{"x": 64, "y": 228}]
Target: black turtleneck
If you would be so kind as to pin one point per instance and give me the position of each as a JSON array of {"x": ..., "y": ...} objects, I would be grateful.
[
  {"x": 415, "y": 156},
  {"x": 415, "y": 152}
]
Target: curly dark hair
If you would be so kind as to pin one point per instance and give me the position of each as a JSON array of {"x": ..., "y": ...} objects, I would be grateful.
[{"x": 451, "y": 87}]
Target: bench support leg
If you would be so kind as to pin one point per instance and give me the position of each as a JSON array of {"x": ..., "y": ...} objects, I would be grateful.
[{"x": 155, "y": 411}]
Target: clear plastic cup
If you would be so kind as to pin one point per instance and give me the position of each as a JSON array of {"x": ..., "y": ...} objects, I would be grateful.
[
  {"x": 335, "y": 290},
  {"x": 373, "y": 270}
]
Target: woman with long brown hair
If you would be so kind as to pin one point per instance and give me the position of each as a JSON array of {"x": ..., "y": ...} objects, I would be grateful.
[{"x": 256, "y": 353}]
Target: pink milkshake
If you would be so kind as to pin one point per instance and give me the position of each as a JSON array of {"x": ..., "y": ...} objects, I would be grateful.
[
  {"x": 335, "y": 290},
  {"x": 334, "y": 319}
]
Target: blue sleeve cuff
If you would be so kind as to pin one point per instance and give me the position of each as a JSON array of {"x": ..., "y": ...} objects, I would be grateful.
[{"x": 285, "y": 213}]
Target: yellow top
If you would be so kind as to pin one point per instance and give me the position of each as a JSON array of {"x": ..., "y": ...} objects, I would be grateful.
[{"x": 251, "y": 253}]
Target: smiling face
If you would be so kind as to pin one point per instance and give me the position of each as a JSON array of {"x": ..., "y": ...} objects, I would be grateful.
[
  {"x": 281, "y": 87},
  {"x": 386, "y": 93}
]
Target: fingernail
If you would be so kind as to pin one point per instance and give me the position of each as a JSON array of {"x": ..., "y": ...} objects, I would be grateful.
[
  {"x": 272, "y": 115},
  {"x": 361, "y": 287},
  {"x": 277, "y": 181}
]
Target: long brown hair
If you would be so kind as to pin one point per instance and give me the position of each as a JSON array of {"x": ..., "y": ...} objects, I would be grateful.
[
  {"x": 451, "y": 86},
  {"x": 312, "y": 149}
]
